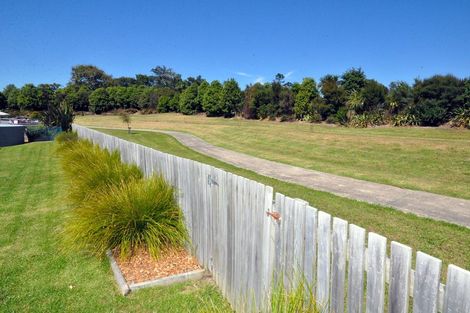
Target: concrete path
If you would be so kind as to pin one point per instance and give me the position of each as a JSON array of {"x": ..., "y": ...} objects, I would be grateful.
[
  {"x": 453, "y": 210},
  {"x": 421, "y": 203}
]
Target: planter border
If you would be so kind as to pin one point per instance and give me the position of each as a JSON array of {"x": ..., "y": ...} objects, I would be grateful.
[{"x": 126, "y": 288}]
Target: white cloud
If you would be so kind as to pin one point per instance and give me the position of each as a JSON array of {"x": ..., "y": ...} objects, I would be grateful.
[
  {"x": 259, "y": 79},
  {"x": 244, "y": 74},
  {"x": 289, "y": 74}
]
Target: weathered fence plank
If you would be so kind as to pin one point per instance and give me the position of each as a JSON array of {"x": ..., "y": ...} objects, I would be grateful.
[
  {"x": 356, "y": 250},
  {"x": 457, "y": 296},
  {"x": 376, "y": 248},
  {"x": 338, "y": 267},
  {"x": 400, "y": 269},
  {"x": 310, "y": 245},
  {"x": 426, "y": 283},
  {"x": 323, "y": 268}
]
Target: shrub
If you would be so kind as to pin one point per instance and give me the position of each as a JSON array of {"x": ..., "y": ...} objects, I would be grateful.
[
  {"x": 461, "y": 118},
  {"x": 129, "y": 215},
  {"x": 90, "y": 168},
  {"x": 430, "y": 112},
  {"x": 342, "y": 116},
  {"x": 65, "y": 139},
  {"x": 313, "y": 117},
  {"x": 37, "y": 132},
  {"x": 332, "y": 119},
  {"x": 405, "y": 119}
]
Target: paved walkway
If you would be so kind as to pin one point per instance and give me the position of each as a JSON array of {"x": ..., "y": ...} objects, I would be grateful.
[{"x": 453, "y": 210}]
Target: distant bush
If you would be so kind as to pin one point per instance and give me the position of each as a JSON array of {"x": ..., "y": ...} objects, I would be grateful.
[
  {"x": 134, "y": 214},
  {"x": 404, "y": 119},
  {"x": 66, "y": 137},
  {"x": 429, "y": 112},
  {"x": 461, "y": 118},
  {"x": 37, "y": 132}
]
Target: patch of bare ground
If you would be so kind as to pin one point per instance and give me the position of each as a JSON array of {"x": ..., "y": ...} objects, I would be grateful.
[{"x": 141, "y": 266}]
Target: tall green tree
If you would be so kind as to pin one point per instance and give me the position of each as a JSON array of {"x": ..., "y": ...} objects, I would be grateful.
[
  {"x": 286, "y": 103},
  {"x": 11, "y": 92},
  {"x": 212, "y": 101},
  {"x": 334, "y": 95},
  {"x": 374, "y": 94},
  {"x": 353, "y": 79},
  {"x": 231, "y": 98},
  {"x": 28, "y": 98},
  {"x": 437, "y": 98},
  {"x": 90, "y": 76},
  {"x": 99, "y": 101},
  {"x": 201, "y": 91},
  {"x": 3, "y": 101},
  {"x": 256, "y": 101},
  {"x": 148, "y": 98},
  {"x": 166, "y": 77},
  {"x": 188, "y": 100},
  {"x": 306, "y": 97},
  {"x": 400, "y": 97}
]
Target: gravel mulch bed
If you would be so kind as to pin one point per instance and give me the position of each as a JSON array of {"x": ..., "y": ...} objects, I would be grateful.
[{"x": 142, "y": 267}]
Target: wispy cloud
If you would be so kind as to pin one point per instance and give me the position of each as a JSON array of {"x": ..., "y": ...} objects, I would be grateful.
[
  {"x": 259, "y": 79},
  {"x": 244, "y": 74},
  {"x": 289, "y": 74}
]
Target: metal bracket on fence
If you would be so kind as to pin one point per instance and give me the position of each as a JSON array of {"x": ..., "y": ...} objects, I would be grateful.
[{"x": 211, "y": 181}]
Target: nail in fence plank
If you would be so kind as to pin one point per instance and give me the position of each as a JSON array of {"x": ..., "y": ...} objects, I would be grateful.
[
  {"x": 323, "y": 263},
  {"x": 310, "y": 245},
  {"x": 356, "y": 268},
  {"x": 338, "y": 267},
  {"x": 400, "y": 268},
  {"x": 457, "y": 295},
  {"x": 376, "y": 249}
]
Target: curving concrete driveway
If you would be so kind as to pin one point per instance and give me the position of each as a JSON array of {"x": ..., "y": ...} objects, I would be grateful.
[{"x": 439, "y": 207}]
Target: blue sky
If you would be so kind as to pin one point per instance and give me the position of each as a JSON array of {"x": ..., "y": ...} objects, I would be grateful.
[{"x": 249, "y": 40}]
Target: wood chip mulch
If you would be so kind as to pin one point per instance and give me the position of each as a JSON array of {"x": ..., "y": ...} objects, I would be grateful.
[{"x": 142, "y": 267}]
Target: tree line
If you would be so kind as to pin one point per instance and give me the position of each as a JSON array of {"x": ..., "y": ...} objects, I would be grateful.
[{"x": 349, "y": 99}]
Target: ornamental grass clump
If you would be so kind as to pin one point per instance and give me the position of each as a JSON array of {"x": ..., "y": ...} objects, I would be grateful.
[
  {"x": 90, "y": 169},
  {"x": 113, "y": 206},
  {"x": 135, "y": 214},
  {"x": 298, "y": 299}
]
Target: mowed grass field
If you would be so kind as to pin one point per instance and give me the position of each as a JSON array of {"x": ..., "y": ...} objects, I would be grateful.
[
  {"x": 36, "y": 272},
  {"x": 436, "y": 160},
  {"x": 446, "y": 241}
]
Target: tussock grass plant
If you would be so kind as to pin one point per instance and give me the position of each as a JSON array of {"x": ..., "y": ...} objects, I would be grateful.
[
  {"x": 137, "y": 213},
  {"x": 89, "y": 169},
  {"x": 298, "y": 299},
  {"x": 113, "y": 206}
]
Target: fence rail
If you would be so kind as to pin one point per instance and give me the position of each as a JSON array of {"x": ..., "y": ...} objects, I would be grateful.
[{"x": 245, "y": 239}]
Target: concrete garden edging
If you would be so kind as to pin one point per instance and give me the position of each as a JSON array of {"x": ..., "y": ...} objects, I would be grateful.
[{"x": 126, "y": 288}]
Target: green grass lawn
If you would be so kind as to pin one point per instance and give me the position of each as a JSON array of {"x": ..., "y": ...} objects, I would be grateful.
[
  {"x": 37, "y": 275},
  {"x": 429, "y": 159},
  {"x": 443, "y": 240}
]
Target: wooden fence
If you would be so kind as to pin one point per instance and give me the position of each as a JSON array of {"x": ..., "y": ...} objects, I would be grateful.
[{"x": 245, "y": 248}]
